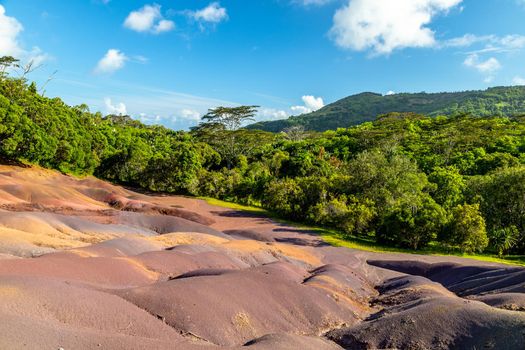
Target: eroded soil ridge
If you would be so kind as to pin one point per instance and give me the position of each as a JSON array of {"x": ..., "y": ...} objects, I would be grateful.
[{"x": 88, "y": 265}]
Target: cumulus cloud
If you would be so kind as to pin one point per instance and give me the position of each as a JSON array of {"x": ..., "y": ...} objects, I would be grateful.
[
  {"x": 148, "y": 19},
  {"x": 118, "y": 109},
  {"x": 390, "y": 93},
  {"x": 300, "y": 110},
  {"x": 518, "y": 81},
  {"x": 272, "y": 114},
  {"x": 384, "y": 26},
  {"x": 164, "y": 26},
  {"x": 213, "y": 13},
  {"x": 311, "y": 104},
  {"x": 487, "y": 67},
  {"x": 10, "y": 29},
  {"x": 112, "y": 61}
]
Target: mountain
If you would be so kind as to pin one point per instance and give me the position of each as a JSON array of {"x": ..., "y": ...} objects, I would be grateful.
[{"x": 356, "y": 109}]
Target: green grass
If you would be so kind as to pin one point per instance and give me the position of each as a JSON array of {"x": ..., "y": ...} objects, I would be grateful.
[
  {"x": 236, "y": 206},
  {"x": 337, "y": 239}
]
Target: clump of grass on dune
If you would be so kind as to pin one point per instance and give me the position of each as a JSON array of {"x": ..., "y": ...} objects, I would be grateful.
[{"x": 337, "y": 239}]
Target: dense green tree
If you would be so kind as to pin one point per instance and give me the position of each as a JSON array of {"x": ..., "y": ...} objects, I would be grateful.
[
  {"x": 412, "y": 224},
  {"x": 501, "y": 195},
  {"x": 449, "y": 186},
  {"x": 284, "y": 197},
  {"x": 347, "y": 214},
  {"x": 466, "y": 229},
  {"x": 220, "y": 127},
  {"x": 387, "y": 180}
]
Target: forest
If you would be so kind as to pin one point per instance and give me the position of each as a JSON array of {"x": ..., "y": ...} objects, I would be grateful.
[
  {"x": 364, "y": 107},
  {"x": 403, "y": 180}
]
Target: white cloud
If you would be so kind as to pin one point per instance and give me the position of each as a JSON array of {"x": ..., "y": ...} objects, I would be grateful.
[
  {"x": 465, "y": 40},
  {"x": 112, "y": 61},
  {"x": 10, "y": 29},
  {"x": 148, "y": 19},
  {"x": 118, "y": 109},
  {"x": 164, "y": 26},
  {"x": 213, "y": 13},
  {"x": 384, "y": 26},
  {"x": 300, "y": 109},
  {"x": 190, "y": 114},
  {"x": 311, "y": 104},
  {"x": 148, "y": 119},
  {"x": 272, "y": 114},
  {"x": 489, "y": 43},
  {"x": 184, "y": 116},
  {"x": 140, "y": 59},
  {"x": 144, "y": 19},
  {"x": 512, "y": 42},
  {"x": 518, "y": 81},
  {"x": 390, "y": 93},
  {"x": 488, "y": 66}
]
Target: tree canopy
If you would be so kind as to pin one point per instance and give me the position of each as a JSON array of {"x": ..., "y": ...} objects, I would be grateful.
[
  {"x": 404, "y": 180},
  {"x": 365, "y": 107}
]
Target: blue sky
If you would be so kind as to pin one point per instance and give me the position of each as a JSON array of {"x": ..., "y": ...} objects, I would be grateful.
[{"x": 168, "y": 61}]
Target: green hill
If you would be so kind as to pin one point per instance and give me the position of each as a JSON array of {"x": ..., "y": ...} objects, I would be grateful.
[{"x": 356, "y": 109}]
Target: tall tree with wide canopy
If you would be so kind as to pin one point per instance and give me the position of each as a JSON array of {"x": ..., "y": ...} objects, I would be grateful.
[{"x": 221, "y": 127}]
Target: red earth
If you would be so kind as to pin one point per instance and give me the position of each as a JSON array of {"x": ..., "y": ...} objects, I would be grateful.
[{"x": 88, "y": 265}]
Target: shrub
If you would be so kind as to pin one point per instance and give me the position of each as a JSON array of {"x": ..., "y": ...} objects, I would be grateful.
[{"x": 466, "y": 229}]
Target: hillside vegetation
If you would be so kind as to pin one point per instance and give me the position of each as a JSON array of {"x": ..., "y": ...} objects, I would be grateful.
[
  {"x": 404, "y": 180},
  {"x": 357, "y": 109}
]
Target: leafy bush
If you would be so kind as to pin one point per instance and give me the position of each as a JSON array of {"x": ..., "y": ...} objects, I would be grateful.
[{"x": 466, "y": 229}]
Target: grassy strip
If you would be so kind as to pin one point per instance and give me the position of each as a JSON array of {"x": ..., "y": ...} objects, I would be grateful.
[
  {"x": 231, "y": 205},
  {"x": 335, "y": 238}
]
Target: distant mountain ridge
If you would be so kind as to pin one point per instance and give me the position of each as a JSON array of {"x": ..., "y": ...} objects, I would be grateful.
[{"x": 366, "y": 106}]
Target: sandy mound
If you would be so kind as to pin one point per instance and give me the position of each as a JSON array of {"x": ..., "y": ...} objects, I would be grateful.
[
  {"x": 97, "y": 271},
  {"x": 464, "y": 280},
  {"x": 36, "y": 311},
  {"x": 246, "y": 304},
  {"x": 105, "y": 267},
  {"x": 507, "y": 301},
  {"x": 249, "y": 234},
  {"x": 290, "y": 342},
  {"x": 424, "y": 315}
]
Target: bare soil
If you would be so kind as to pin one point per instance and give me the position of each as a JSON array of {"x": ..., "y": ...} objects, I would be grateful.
[{"x": 88, "y": 265}]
